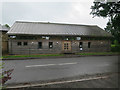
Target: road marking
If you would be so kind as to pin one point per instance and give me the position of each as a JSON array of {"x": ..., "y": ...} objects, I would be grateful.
[
  {"x": 59, "y": 82},
  {"x": 41, "y": 65},
  {"x": 51, "y": 64},
  {"x": 67, "y": 63}
]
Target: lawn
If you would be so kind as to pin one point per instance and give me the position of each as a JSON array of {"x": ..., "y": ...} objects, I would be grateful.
[
  {"x": 99, "y": 53},
  {"x": 49, "y": 55},
  {"x": 24, "y": 56}
]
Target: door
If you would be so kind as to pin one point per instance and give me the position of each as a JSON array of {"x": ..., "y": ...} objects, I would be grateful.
[{"x": 66, "y": 46}]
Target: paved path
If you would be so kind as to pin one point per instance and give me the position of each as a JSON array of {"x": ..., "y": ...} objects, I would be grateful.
[
  {"x": 110, "y": 81},
  {"x": 48, "y": 69}
]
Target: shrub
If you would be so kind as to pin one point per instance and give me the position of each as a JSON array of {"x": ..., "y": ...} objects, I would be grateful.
[
  {"x": 4, "y": 76},
  {"x": 115, "y": 48}
]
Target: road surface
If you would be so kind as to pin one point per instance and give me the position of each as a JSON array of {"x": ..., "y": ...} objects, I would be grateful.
[{"x": 48, "y": 69}]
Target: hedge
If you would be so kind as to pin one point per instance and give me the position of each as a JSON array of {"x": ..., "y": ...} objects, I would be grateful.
[{"x": 115, "y": 48}]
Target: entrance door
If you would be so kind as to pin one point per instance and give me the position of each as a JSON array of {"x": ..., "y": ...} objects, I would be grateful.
[{"x": 66, "y": 46}]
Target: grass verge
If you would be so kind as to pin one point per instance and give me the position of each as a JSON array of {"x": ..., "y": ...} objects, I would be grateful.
[
  {"x": 24, "y": 56},
  {"x": 98, "y": 53},
  {"x": 49, "y": 55}
]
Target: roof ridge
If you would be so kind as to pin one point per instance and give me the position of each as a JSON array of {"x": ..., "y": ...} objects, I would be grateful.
[{"x": 52, "y": 23}]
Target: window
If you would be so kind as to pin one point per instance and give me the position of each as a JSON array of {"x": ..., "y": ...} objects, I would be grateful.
[
  {"x": 39, "y": 44},
  {"x": 66, "y": 38},
  {"x": 19, "y": 43},
  {"x": 89, "y": 43},
  {"x": 47, "y": 38},
  {"x": 26, "y": 37},
  {"x": 80, "y": 45},
  {"x": 25, "y": 43},
  {"x": 12, "y": 36},
  {"x": 50, "y": 44},
  {"x": 65, "y": 46},
  {"x": 78, "y": 38}
]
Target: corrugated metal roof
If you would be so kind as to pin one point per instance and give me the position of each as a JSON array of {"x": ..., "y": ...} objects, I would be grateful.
[
  {"x": 41, "y": 28},
  {"x": 3, "y": 28}
]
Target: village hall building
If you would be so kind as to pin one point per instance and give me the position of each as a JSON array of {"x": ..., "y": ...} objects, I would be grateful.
[{"x": 46, "y": 38}]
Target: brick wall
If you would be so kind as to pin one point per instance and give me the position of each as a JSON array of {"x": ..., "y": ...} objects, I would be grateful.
[
  {"x": 95, "y": 46},
  {"x": 32, "y": 48}
]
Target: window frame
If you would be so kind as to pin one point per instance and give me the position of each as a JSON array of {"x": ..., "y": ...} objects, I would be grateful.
[
  {"x": 19, "y": 43},
  {"x": 80, "y": 44},
  {"x": 39, "y": 45},
  {"x": 50, "y": 43},
  {"x": 25, "y": 44},
  {"x": 89, "y": 44}
]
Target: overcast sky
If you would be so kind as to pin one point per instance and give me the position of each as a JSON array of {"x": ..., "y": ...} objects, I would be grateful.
[{"x": 57, "y": 12}]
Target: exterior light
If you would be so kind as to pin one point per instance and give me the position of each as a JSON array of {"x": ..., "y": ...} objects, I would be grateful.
[
  {"x": 101, "y": 42},
  {"x": 57, "y": 42}
]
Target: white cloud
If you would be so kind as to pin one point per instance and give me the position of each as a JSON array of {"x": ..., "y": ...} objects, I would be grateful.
[
  {"x": 44, "y": 1},
  {"x": 62, "y": 12},
  {"x": 80, "y": 13},
  {"x": 0, "y": 13}
]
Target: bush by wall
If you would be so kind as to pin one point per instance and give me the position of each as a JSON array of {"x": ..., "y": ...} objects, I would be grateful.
[{"x": 115, "y": 48}]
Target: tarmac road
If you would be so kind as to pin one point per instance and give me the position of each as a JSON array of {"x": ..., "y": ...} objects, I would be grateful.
[{"x": 48, "y": 69}]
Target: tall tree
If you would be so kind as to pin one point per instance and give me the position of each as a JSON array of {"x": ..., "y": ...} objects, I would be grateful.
[
  {"x": 7, "y": 25},
  {"x": 112, "y": 11}
]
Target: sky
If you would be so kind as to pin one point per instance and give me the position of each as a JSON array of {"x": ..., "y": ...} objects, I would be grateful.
[{"x": 56, "y": 12}]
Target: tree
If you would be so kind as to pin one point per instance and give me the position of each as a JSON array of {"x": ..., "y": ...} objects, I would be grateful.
[
  {"x": 112, "y": 11},
  {"x": 7, "y": 25}
]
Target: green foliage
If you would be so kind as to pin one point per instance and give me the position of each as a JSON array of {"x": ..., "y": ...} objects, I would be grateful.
[
  {"x": 98, "y": 53},
  {"x": 112, "y": 11},
  {"x": 4, "y": 76},
  {"x": 23, "y": 56},
  {"x": 7, "y": 25},
  {"x": 115, "y": 48},
  {"x": 1, "y": 76},
  {"x": 108, "y": 9},
  {"x": 116, "y": 42}
]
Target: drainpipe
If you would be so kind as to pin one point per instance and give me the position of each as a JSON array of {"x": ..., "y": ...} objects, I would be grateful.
[
  {"x": 29, "y": 50},
  {"x": 11, "y": 46}
]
